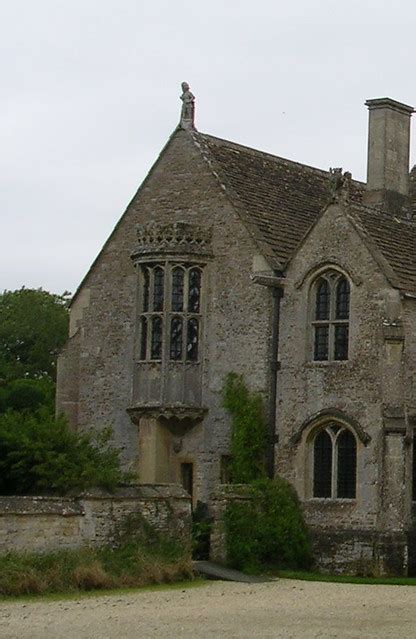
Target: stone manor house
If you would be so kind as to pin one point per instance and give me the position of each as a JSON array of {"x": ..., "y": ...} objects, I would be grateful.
[{"x": 301, "y": 280}]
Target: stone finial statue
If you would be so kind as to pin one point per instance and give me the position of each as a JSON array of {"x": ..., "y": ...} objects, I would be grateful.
[
  {"x": 188, "y": 108},
  {"x": 339, "y": 185}
]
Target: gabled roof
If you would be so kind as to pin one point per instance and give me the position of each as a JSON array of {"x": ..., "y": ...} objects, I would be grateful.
[
  {"x": 282, "y": 199},
  {"x": 395, "y": 239}
]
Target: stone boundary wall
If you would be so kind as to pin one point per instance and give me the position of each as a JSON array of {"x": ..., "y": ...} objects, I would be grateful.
[{"x": 48, "y": 524}]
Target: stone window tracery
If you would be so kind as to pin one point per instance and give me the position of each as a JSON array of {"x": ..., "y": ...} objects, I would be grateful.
[
  {"x": 170, "y": 319},
  {"x": 334, "y": 461},
  {"x": 330, "y": 318}
]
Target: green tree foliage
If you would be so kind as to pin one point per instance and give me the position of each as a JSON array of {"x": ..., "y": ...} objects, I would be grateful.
[
  {"x": 27, "y": 394},
  {"x": 33, "y": 327},
  {"x": 39, "y": 454},
  {"x": 267, "y": 529},
  {"x": 248, "y": 433}
]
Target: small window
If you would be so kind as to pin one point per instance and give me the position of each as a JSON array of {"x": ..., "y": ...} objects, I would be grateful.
[
  {"x": 225, "y": 469},
  {"x": 192, "y": 340},
  {"x": 158, "y": 288},
  {"x": 156, "y": 348},
  {"x": 414, "y": 469},
  {"x": 194, "y": 293},
  {"x": 334, "y": 463},
  {"x": 176, "y": 338},
  {"x": 177, "y": 288},
  {"x": 187, "y": 477},
  {"x": 330, "y": 323}
]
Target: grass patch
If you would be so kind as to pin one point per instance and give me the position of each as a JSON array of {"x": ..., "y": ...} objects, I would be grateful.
[
  {"x": 347, "y": 579},
  {"x": 130, "y": 565}
]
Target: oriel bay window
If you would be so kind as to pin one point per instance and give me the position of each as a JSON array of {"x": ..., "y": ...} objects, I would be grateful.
[
  {"x": 330, "y": 317},
  {"x": 170, "y": 318}
]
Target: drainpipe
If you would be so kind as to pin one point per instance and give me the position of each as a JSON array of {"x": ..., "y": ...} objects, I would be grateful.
[
  {"x": 275, "y": 282},
  {"x": 272, "y": 436}
]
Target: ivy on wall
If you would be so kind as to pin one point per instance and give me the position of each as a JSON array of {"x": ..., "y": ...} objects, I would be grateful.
[{"x": 248, "y": 438}]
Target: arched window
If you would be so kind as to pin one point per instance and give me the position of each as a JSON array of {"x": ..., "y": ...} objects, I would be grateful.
[
  {"x": 330, "y": 317},
  {"x": 170, "y": 317},
  {"x": 334, "y": 463}
]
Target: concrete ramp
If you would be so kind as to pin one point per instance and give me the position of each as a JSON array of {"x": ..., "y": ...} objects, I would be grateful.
[{"x": 210, "y": 570}]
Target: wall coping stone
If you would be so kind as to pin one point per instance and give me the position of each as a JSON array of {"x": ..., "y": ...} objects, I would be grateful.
[
  {"x": 73, "y": 506},
  {"x": 40, "y": 505}
]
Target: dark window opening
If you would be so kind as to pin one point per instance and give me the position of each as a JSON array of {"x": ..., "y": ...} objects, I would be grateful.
[
  {"x": 143, "y": 338},
  {"x": 331, "y": 315},
  {"x": 225, "y": 469},
  {"x": 347, "y": 465},
  {"x": 177, "y": 289},
  {"x": 192, "y": 341},
  {"x": 176, "y": 338},
  {"x": 194, "y": 294},
  {"x": 322, "y": 465},
  {"x": 158, "y": 288},
  {"x": 322, "y": 301},
  {"x": 341, "y": 342},
  {"x": 414, "y": 469},
  {"x": 156, "y": 346},
  {"x": 145, "y": 290},
  {"x": 187, "y": 477},
  {"x": 170, "y": 322},
  {"x": 342, "y": 299},
  {"x": 321, "y": 343}
]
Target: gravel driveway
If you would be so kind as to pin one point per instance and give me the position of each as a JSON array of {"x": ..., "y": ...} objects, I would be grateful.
[{"x": 283, "y": 608}]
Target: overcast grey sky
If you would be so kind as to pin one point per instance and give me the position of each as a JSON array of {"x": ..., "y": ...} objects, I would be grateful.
[{"x": 91, "y": 93}]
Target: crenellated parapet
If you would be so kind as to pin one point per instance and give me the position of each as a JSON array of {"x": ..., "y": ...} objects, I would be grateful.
[{"x": 175, "y": 238}]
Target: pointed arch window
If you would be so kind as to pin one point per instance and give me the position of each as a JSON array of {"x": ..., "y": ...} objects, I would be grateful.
[
  {"x": 331, "y": 312},
  {"x": 334, "y": 463},
  {"x": 170, "y": 318}
]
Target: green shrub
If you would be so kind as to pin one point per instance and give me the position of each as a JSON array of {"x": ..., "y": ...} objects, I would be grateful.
[
  {"x": 39, "y": 454},
  {"x": 267, "y": 530},
  {"x": 248, "y": 433}
]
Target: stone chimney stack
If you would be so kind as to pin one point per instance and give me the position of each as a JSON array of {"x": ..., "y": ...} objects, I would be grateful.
[{"x": 388, "y": 154}]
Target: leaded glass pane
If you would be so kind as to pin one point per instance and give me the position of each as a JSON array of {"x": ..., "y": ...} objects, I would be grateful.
[
  {"x": 322, "y": 300},
  {"x": 347, "y": 465},
  {"x": 145, "y": 290},
  {"x": 177, "y": 289},
  {"x": 322, "y": 465},
  {"x": 143, "y": 338},
  {"x": 158, "y": 288},
  {"x": 342, "y": 310},
  {"x": 341, "y": 342},
  {"x": 176, "y": 338},
  {"x": 192, "y": 340},
  {"x": 414, "y": 469},
  {"x": 156, "y": 344},
  {"x": 321, "y": 343},
  {"x": 194, "y": 295}
]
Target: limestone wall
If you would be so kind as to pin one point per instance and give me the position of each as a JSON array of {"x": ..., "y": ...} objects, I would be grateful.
[{"x": 47, "y": 524}]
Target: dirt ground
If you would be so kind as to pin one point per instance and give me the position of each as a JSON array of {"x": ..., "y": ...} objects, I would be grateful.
[{"x": 285, "y": 608}]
